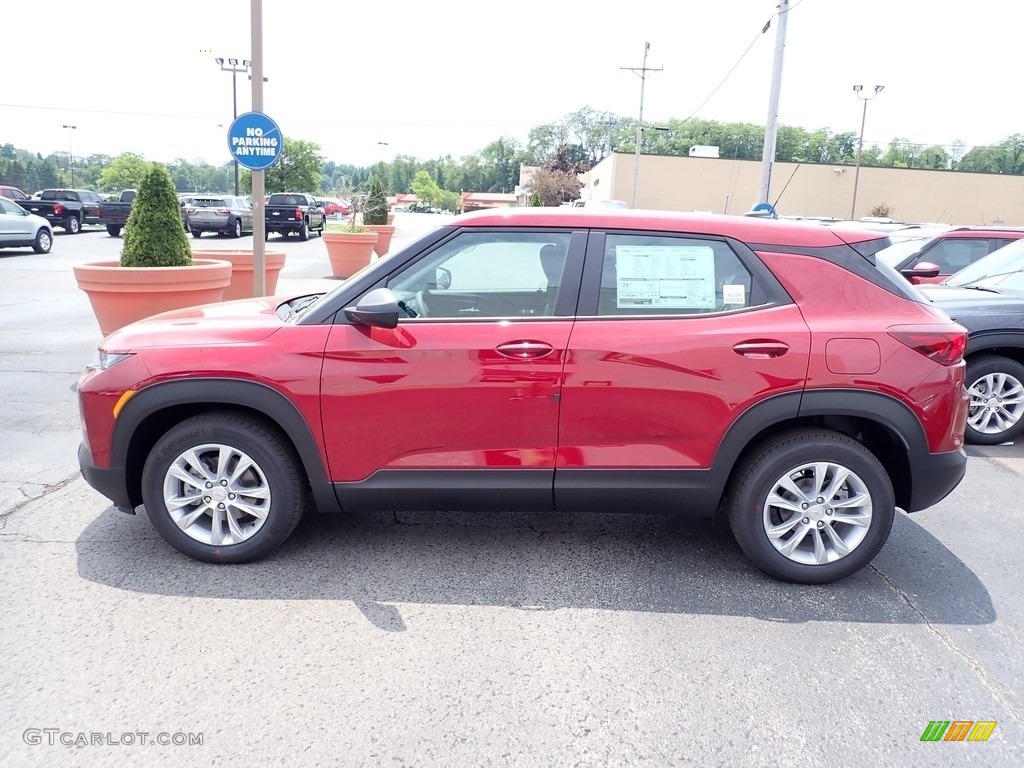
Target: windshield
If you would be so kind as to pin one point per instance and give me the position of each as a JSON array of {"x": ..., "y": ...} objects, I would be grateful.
[
  {"x": 1005, "y": 260},
  {"x": 897, "y": 252}
]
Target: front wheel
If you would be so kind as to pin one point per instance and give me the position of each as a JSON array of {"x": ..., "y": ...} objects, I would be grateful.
[
  {"x": 113, "y": 230},
  {"x": 73, "y": 225},
  {"x": 811, "y": 507},
  {"x": 222, "y": 488},
  {"x": 43, "y": 242},
  {"x": 996, "y": 412}
]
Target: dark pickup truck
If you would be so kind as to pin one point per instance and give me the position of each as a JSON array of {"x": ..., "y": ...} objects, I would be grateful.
[
  {"x": 289, "y": 212},
  {"x": 114, "y": 215},
  {"x": 66, "y": 208}
]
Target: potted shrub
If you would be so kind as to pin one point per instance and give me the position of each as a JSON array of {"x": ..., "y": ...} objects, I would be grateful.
[
  {"x": 375, "y": 216},
  {"x": 350, "y": 246},
  {"x": 157, "y": 272},
  {"x": 242, "y": 284}
]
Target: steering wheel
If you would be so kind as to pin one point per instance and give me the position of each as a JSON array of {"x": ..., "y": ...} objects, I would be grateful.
[{"x": 421, "y": 304}]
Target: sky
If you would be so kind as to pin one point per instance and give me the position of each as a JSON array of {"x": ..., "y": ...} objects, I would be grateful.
[{"x": 429, "y": 79}]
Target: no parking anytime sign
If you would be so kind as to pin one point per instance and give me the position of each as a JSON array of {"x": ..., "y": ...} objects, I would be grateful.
[{"x": 255, "y": 141}]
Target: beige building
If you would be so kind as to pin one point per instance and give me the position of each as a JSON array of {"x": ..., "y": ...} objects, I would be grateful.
[{"x": 722, "y": 185}]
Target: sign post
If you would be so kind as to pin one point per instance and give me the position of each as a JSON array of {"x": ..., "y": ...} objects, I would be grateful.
[{"x": 256, "y": 143}]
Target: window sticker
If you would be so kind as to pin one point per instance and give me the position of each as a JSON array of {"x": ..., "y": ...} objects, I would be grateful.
[
  {"x": 734, "y": 294},
  {"x": 665, "y": 276}
]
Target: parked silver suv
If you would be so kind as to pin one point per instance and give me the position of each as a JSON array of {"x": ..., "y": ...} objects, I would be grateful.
[{"x": 224, "y": 215}]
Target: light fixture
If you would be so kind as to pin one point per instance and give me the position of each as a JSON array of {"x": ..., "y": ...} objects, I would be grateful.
[
  {"x": 220, "y": 61},
  {"x": 233, "y": 62}
]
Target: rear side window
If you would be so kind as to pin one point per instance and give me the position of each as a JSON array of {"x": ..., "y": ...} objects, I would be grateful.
[{"x": 667, "y": 275}]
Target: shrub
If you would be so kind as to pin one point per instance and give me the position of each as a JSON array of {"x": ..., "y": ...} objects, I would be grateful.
[
  {"x": 154, "y": 235},
  {"x": 882, "y": 210},
  {"x": 535, "y": 201},
  {"x": 376, "y": 210}
]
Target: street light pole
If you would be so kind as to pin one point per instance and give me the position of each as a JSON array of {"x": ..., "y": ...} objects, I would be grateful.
[
  {"x": 859, "y": 90},
  {"x": 234, "y": 67},
  {"x": 71, "y": 147},
  {"x": 642, "y": 73},
  {"x": 383, "y": 146}
]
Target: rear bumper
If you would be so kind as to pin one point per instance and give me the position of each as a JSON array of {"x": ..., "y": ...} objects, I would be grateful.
[
  {"x": 934, "y": 476},
  {"x": 210, "y": 225},
  {"x": 111, "y": 482}
]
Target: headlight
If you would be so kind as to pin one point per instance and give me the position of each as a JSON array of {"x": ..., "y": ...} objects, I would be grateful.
[{"x": 105, "y": 360}]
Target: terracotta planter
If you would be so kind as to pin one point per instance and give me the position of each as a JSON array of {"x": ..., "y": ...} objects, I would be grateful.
[
  {"x": 121, "y": 295},
  {"x": 391, "y": 218},
  {"x": 384, "y": 234},
  {"x": 349, "y": 251},
  {"x": 241, "y": 270}
]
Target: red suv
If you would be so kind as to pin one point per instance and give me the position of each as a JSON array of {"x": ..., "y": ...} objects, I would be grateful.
[
  {"x": 559, "y": 359},
  {"x": 935, "y": 255}
]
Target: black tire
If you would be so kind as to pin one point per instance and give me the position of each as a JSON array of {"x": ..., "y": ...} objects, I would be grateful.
[
  {"x": 323, "y": 226},
  {"x": 977, "y": 369},
  {"x": 44, "y": 241},
  {"x": 196, "y": 234},
  {"x": 237, "y": 231},
  {"x": 270, "y": 454},
  {"x": 304, "y": 231},
  {"x": 73, "y": 225},
  {"x": 756, "y": 478},
  {"x": 113, "y": 230}
]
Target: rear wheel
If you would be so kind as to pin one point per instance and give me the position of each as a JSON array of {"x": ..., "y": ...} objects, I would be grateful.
[
  {"x": 304, "y": 231},
  {"x": 113, "y": 230},
  {"x": 238, "y": 228},
  {"x": 811, "y": 507},
  {"x": 223, "y": 489},
  {"x": 196, "y": 233},
  {"x": 43, "y": 242},
  {"x": 996, "y": 411},
  {"x": 73, "y": 225}
]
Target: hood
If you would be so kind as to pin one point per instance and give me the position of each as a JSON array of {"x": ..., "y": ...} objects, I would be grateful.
[
  {"x": 228, "y": 322},
  {"x": 951, "y": 299}
]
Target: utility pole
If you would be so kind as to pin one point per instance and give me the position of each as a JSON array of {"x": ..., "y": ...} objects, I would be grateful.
[
  {"x": 771, "y": 130},
  {"x": 642, "y": 73}
]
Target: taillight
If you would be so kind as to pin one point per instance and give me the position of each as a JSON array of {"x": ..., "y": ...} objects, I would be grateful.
[
  {"x": 223, "y": 210},
  {"x": 945, "y": 344},
  {"x": 190, "y": 209},
  {"x": 298, "y": 214},
  {"x": 58, "y": 209}
]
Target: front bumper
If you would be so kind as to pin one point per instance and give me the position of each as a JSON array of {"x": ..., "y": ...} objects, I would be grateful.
[
  {"x": 934, "y": 476},
  {"x": 111, "y": 482}
]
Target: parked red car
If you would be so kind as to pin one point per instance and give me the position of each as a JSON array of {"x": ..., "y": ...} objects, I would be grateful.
[
  {"x": 335, "y": 207},
  {"x": 550, "y": 359},
  {"x": 931, "y": 255}
]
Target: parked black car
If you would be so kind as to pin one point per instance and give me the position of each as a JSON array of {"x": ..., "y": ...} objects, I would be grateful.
[
  {"x": 987, "y": 298},
  {"x": 66, "y": 208},
  {"x": 289, "y": 212}
]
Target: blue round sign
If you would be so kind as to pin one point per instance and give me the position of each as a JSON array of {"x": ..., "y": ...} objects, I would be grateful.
[{"x": 255, "y": 141}]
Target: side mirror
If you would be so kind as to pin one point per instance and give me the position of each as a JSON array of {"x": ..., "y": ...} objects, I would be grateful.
[
  {"x": 924, "y": 269},
  {"x": 442, "y": 278},
  {"x": 377, "y": 308}
]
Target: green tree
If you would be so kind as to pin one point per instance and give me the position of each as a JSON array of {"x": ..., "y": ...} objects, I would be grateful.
[
  {"x": 298, "y": 169},
  {"x": 153, "y": 235},
  {"x": 425, "y": 188},
  {"x": 375, "y": 211},
  {"x": 125, "y": 172},
  {"x": 535, "y": 200}
]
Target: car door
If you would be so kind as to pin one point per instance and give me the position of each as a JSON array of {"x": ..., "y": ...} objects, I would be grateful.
[
  {"x": 9, "y": 222},
  {"x": 676, "y": 336},
  {"x": 458, "y": 403}
]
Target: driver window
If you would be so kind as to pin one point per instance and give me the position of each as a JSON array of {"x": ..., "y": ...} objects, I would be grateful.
[{"x": 481, "y": 275}]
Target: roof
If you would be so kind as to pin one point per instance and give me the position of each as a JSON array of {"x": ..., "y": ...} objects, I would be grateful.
[{"x": 746, "y": 228}]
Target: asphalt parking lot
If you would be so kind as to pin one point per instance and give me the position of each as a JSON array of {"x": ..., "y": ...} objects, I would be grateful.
[{"x": 446, "y": 639}]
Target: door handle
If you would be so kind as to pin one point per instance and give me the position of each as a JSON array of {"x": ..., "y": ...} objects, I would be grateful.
[
  {"x": 525, "y": 350},
  {"x": 762, "y": 349}
]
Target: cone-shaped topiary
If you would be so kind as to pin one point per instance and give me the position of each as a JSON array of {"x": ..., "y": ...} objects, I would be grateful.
[
  {"x": 153, "y": 234},
  {"x": 535, "y": 201},
  {"x": 376, "y": 211}
]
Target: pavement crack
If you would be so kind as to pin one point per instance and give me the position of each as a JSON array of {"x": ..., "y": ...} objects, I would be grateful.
[
  {"x": 976, "y": 666},
  {"x": 5, "y": 515}
]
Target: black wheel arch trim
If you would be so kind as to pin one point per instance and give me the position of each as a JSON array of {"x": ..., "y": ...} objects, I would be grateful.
[
  {"x": 873, "y": 406},
  {"x": 217, "y": 392},
  {"x": 987, "y": 340}
]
